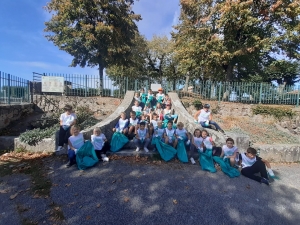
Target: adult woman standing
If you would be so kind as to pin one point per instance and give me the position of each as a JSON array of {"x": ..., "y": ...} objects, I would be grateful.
[
  {"x": 204, "y": 117},
  {"x": 67, "y": 119}
]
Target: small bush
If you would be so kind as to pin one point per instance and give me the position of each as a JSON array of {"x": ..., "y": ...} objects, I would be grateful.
[
  {"x": 277, "y": 112},
  {"x": 197, "y": 104},
  {"x": 32, "y": 137}
]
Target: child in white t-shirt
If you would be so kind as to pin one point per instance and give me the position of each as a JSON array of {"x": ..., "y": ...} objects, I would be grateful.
[
  {"x": 169, "y": 135},
  {"x": 159, "y": 131},
  {"x": 197, "y": 143},
  {"x": 133, "y": 122},
  {"x": 230, "y": 151},
  {"x": 67, "y": 119},
  {"x": 137, "y": 97},
  {"x": 182, "y": 134},
  {"x": 100, "y": 144},
  {"x": 160, "y": 95},
  {"x": 122, "y": 124},
  {"x": 141, "y": 139},
  {"x": 153, "y": 123},
  {"x": 76, "y": 141},
  {"x": 137, "y": 108}
]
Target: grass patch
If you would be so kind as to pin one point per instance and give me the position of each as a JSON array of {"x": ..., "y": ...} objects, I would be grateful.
[{"x": 277, "y": 112}]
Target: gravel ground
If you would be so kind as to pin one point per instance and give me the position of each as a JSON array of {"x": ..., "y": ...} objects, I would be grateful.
[{"x": 130, "y": 192}]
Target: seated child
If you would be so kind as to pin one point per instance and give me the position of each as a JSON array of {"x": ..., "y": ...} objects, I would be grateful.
[
  {"x": 141, "y": 139},
  {"x": 160, "y": 96},
  {"x": 133, "y": 122},
  {"x": 207, "y": 142},
  {"x": 137, "y": 108},
  {"x": 252, "y": 164},
  {"x": 196, "y": 143},
  {"x": 122, "y": 124},
  {"x": 230, "y": 151},
  {"x": 75, "y": 142},
  {"x": 169, "y": 114},
  {"x": 159, "y": 131},
  {"x": 169, "y": 135},
  {"x": 137, "y": 97},
  {"x": 182, "y": 134},
  {"x": 159, "y": 111},
  {"x": 143, "y": 96},
  {"x": 153, "y": 123},
  {"x": 167, "y": 100},
  {"x": 100, "y": 144}
]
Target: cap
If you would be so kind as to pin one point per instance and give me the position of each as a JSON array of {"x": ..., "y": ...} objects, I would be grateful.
[
  {"x": 160, "y": 89},
  {"x": 206, "y": 106}
]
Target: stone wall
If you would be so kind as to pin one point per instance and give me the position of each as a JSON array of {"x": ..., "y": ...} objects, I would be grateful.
[{"x": 9, "y": 113}]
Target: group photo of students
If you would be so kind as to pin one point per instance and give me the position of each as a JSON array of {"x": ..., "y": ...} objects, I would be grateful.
[{"x": 152, "y": 125}]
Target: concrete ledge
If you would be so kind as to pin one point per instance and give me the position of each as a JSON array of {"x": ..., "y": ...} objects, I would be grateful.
[
  {"x": 132, "y": 152},
  {"x": 241, "y": 141},
  {"x": 45, "y": 145},
  {"x": 7, "y": 142},
  {"x": 279, "y": 152}
]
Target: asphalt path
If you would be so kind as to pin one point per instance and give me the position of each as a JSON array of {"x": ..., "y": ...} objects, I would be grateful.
[{"x": 129, "y": 191}]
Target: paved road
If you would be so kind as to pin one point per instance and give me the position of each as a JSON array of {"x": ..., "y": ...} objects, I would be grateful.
[{"x": 129, "y": 192}]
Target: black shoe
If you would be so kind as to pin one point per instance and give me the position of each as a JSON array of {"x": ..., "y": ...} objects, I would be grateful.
[
  {"x": 265, "y": 181},
  {"x": 69, "y": 164},
  {"x": 221, "y": 131}
]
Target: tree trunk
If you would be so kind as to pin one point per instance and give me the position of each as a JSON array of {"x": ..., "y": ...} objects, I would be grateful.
[
  {"x": 101, "y": 68},
  {"x": 187, "y": 78},
  {"x": 229, "y": 73}
]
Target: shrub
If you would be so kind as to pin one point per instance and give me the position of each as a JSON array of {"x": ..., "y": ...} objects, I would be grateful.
[
  {"x": 197, "y": 104},
  {"x": 277, "y": 112}
]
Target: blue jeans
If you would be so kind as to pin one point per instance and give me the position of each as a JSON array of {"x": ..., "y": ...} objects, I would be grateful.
[
  {"x": 210, "y": 122},
  {"x": 72, "y": 156},
  {"x": 141, "y": 144}
]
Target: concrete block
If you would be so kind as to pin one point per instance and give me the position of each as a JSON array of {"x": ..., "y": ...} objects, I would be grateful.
[
  {"x": 45, "y": 145},
  {"x": 7, "y": 142}
]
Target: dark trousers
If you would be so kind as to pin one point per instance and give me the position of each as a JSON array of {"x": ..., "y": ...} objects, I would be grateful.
[
  {"x": 63, "y": 136},
  {"x": 71, "y": 156},
  {"x": 106, "y": 147},
  {"x": 211, "y": 122},
  {"x": 257, "y": 167}
]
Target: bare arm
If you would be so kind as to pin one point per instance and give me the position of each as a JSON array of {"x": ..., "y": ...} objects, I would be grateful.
[
  {"x": 266, "y": 162},
  {"x": 197, "y": 114}
]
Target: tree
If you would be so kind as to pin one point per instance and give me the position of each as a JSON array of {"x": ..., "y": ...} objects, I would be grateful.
[
  {"x": 236, "y": 40},
  {"x": 94, "y": 32}
]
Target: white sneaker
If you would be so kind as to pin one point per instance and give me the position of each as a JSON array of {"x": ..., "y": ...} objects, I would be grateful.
[
  {"x": 137, "y": 149},
  {"x": 192, "y": 160},
  {"x": 104, "y": 158},
  {"x": 146, "y": 149},
  {"x": 59, "y": 148}
]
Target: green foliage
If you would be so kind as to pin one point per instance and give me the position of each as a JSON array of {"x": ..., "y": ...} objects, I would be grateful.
[
  {"x": 236, "y": 40},
  {"x": 32, "y": 137},
  {"x": 277, "y": 112},
  {"x": 197, "y": 104}
]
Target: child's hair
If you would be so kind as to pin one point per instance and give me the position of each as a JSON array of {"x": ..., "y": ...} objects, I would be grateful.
[
  {"x": 123, "y": 114},
  {"x": 67, "y": 108},
  {"x": 142, "y": 89},
  {"x": 166, "y": 95},
  {"x": 171, "y": 122},
  {"x": 197, "y": 130},
  {"x": 251, "y": 150},
  {"x": 136, "y": 101},
  {"x": 159, "y": 122},
  {"x": 149, "y": 90},
  {"x": 158, "y": 104},
  {"x": 154, "y": 114},
  {"x": 133, "y": 113},
  {"x": 205, "y": 132},
  {"x": 73, "y": 127},
  {"x": 180, "y": 124},
  {"x": 97, "y": 129},
  {"x": 136, "y": 93},
  {"x": 142, "y": 124},
  {"x": 230, "y": 139}
]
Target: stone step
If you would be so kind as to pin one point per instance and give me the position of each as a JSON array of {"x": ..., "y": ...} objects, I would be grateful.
[{"x": 132, "y": 152}]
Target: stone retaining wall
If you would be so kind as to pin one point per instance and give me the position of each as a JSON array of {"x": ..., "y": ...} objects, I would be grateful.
[{"x": 9, "y": 113}]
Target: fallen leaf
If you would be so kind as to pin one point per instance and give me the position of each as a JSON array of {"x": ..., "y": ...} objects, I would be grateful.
[
  {"x": 114, "y": 181},
  {"x": 13, "y": 196},
  {"x": 98, "y": 205},
  {"x": 175, "y": 202},
  {"x": 68, "y": 185},
  {"x": 4, "y": 191},
  {"x": 248, "y": 186},
  {"x": 80, "y": 207},
  {"x": 88, "y": 217},
  {"x": 48, "y": 210},
  {"x": 126, "y": 199},
  {"x": 56, "y": 208}
]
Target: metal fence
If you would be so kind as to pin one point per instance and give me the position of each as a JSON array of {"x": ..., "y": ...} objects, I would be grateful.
[
  {"x": 13, "y": 90},
  {"x": 246, "y": 92}
]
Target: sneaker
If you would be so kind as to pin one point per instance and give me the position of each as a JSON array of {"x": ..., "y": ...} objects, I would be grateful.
[
  {"x": 265, "y": 181},
  {"x": 59, "y": 148},
  {"x": 146, "y": 149},
  {"x": 104, "y": 158},
  {"x": 192, "y": 160},
  {"x": 137, "y": 149}
]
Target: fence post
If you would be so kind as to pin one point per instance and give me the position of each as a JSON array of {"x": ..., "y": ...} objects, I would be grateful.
[
  {"x": 85, "y": 92},
  {"x": 260, "y": 93},
  {"x": 298, "y": 96},
  {"x": 28, "y": 92},
  {"x": 8, "y": 89},
  {"x": 220, "y": 89},
  {"x": 135, "y": 85},
  {"x": 126, "y": 85}
]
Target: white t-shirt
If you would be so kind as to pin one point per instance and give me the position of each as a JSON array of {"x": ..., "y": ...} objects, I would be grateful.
[
  {"x": 67, "y": 119},
  {"x": 160, "y": 132},
  {"x": 203, "y": 116},
  {"x": 142, "y": 133},
  {"x": 170, "y": 134},
  {"x": 133, "y": 122},
  {"x": 159, "y": 111},
  {"x": 181, "y": 133},
  {"x": 229, "y": 151},
  {"x": 122, "y": 123},
  {"x": 77, "y": 141},
  {"x": 246, "y": 162},
  {"x": 207, "y": 142},
  {"x": 98, "y": 141},
  {"x": 198, "y": 141},
  {"x": 137, "y": 99},
  {"x": 137, "y": 108},
  {"x": 160, "y": 96},
  {"x": 167, "y": 111},
  {"x": 154, "y": 123}
]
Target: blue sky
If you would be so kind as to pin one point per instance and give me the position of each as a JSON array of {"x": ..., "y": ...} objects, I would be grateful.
[{"x": 24, "y": 49}]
